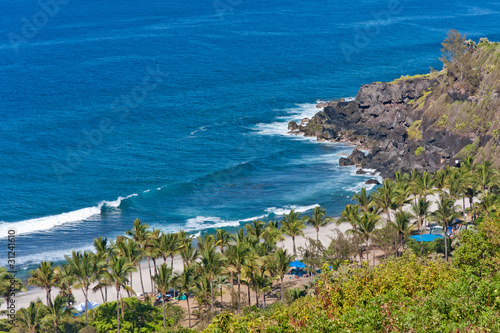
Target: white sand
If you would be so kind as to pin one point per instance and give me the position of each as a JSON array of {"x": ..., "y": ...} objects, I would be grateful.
[{"x": 23, "y": 299}]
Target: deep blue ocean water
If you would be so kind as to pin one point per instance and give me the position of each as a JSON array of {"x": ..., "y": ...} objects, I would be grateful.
[{"x": 176, "y": 112}]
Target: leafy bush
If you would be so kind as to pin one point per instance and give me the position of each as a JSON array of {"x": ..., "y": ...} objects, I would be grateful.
[{"x": 419, "y": 151}]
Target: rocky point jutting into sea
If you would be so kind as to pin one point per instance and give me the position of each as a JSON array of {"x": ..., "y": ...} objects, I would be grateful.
[{"x": 423, "y": 122}]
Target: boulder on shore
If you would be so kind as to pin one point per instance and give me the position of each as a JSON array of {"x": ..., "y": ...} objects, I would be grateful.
[
  {"x": 372, "y": 181},
  {"x": 345, "y": 162},
  {"x": 360, "y": 172}
]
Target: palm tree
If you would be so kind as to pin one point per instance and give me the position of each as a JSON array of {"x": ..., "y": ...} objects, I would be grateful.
[
  {"x": 366, "y": 226},
  {"x": 59, "y": 313},
  {"x": 139, "y": 233},
  {"x": 189, "y": 253},
  {"x": 65, "y": 285},
  {"x": 282, "y": 262},
  {"x": 363, "y": 199},
  {"x": 221, "y": 281},
  {"x": 424, "y": 184},
  {"x": 31, "y": 317},
  {"x": 319, "y": 219},
  {"x": 222, "y": 238},
  {"x": 45, "y": 276},
  {"x": 211, "y": 263},
  {"x": 164, "y": 279},
  {"x": 292, "y": 226},
  {"x": 9, "y": 284},
  {"x": 445, "y": 215},
  {"x": 487, "y": 204},
  {"x": 238, "y": 255},
  {"x": 272, "y": 233},
  {"x": 130, "y": 249},
  {"x": 420, "y": 211},
  {"x": 186, "y": 282},
  {"x": 402, "y": 224},
  {"x": 384, "y": 197},
  {"x": 83, "y": 268},
  {"x": 169, "y": 246},
  {"x": 485, "y": 176},
  {"x": 153, "y": 251},
  {"x": 256, "y": 228},
  {"x": 119, "y": 271}
]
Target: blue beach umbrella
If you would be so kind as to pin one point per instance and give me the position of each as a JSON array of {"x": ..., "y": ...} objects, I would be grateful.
[
  {"x": 297, "y": 264},
  {"x": 426, "y": 237}
]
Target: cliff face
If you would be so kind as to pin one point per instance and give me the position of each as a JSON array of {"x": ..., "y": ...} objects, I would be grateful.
[{"x": 423, "y": 122}]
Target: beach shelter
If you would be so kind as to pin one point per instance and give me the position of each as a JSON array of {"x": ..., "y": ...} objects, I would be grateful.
[
  {"x": 297, "y": 264},
  {"x": 426, "y": 237}
]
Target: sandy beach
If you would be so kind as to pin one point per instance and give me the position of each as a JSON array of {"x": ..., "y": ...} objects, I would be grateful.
[{"x": 23, "y": 299}]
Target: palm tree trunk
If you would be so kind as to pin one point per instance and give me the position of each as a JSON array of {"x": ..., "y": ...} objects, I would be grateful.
[
  {"x": 294, "y": 250},
  {"x": 163, "y": 305},
  {"x": 212, "y": 294},
  {"x": 151, "y": 276},
  {"x": 189, "y": 311},
  {"x": 317, "y": 234},
  {"x": 102, "y": 295},
  {"x": 118, "y": 308},
  {"x": 239, "y": 294},
  {"x": 85, "y": 294},
  {"x": 55, "y": 326},
  {"x": 445, "y": 246},
  {"x": 257, "y": 298},
  {"x": 221, "y": 298},
  {"x": 172, "y": 263},
  {"x": 140, "y": 276},
  {"x": 249, "y": 300},
  {"x": 105, "y": 294},
  {"x": 281, "y": 287}
]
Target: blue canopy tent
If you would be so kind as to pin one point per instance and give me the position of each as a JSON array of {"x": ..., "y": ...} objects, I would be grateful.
[
  {"x": 297, "y": 264},
  {"x": 426, "y": 237}
]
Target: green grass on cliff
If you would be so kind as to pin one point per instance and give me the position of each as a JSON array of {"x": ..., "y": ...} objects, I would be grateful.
[{"x": 466, "y": 103}]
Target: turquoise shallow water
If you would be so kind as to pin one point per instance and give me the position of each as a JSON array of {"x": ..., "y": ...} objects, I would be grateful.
[{"x": 176, "y": 113}]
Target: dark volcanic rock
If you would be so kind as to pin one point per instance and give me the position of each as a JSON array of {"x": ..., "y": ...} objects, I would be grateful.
[
  {"x": 360, "y": 172},
  {"x": 345, "y": 162},
  {"x": 372, "y": 181},
  {"x": 292, "y": 126}
]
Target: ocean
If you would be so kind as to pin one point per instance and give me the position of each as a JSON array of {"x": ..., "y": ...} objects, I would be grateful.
[{"x": 176, "y": 112}]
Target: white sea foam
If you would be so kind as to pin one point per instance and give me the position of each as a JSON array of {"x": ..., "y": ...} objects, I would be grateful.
[
  {"x": 287, "y": 209},
  {"x": 56, "y": 255},
  {"x": 52, "y": 221}
]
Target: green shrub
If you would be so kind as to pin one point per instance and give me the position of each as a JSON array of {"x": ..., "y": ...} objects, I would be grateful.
[{"x": 419, "y": 151}]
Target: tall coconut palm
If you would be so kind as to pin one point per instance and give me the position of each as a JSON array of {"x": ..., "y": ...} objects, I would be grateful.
[
  {"x": 292, "y": 226},
  {"x": 420, "y": 212},
  {"x": 45, "y": 276},
  {"x": 186, "y": 282},
  {"x": 83, "y": 268},
  {"x": 139, "y": 233},
  {"x": 445, "y": 215},
  {"x": 119, "y": 271},
  {"x": 363, "y": 200},
  {"x": 366, "y": 226},
  {"x": 170, "y": 245},
  {"x": 130, "y": 249},
  {"x": 318, "y": 219},
  {"x": 59, "y": 313},
  {"x": 403, "y": 225},
  {"x": 220, "y": 282},
  {"x": 425, "y": 184},
  {"x": 384, "y": 197},
  {"x": 281, "y": 266},
  {"x": 66, "y": 284},
  {"x": 222, "y": 238},
  {"x": 256, "y": 228},
  {"x": 211, "y": 263},
  {"x": 207, "y": 241},
  {"x": 9, "y": 284},
  {"x": 440, "y": 178},
  {"x": 486, "y": 176},
  {"x": 189, "y": 254},
  {"x": 164, "y": 280},
  {"x": 272, "y": 233},
  {"x": 350, "y": 214},
  {"x": 30, "y": 318},
  {"x": 238, "y": 255}
]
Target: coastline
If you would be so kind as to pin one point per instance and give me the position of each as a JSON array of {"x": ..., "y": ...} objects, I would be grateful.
[{"x": 22, "y": 300}]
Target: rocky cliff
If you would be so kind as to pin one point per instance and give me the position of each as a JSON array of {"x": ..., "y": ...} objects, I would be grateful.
[{"x": 423, "y": 122}]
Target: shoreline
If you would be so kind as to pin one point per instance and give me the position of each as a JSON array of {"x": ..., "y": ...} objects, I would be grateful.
[{"x": 22, "y": 300}]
